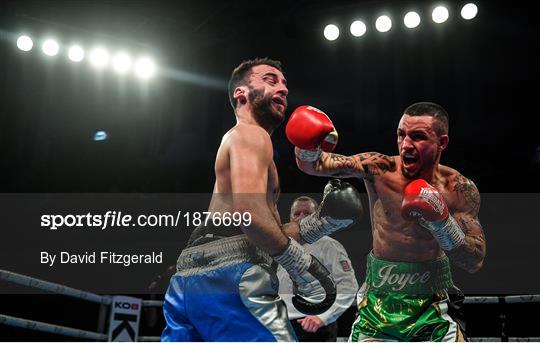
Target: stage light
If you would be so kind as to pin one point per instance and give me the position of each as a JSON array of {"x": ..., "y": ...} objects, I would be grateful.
[
  {"x": 469, "y": 11},
  {"x": 440, "y": 14},
  {"x": 25, "y": 43},
  {"x": 50, "y": 47},
  {"x": 100, "y": 136},
  {"x": 145, "y": 68},
  {"x": 76, "y": 53},
  {"x": 99, "y": 57},
  {"x": 331, "y": 32},
  {"x": 358, "y": 28},
  {"x": 383, "y": 23},
  {"x": 411, "y": 20},
  {"x": 121, "y": 62}
]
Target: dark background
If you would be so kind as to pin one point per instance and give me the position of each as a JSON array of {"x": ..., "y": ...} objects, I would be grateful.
[{"x": 163, "y": 136}]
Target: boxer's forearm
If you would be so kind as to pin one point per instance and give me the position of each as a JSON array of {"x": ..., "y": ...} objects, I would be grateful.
[
  {"x": 264, "y": 230},
  {"x": 470, "y": 254},
  {"x": 312, "y": 167},
  {"x": 292, "y": 229},
  {"x": 363, "y": 165},
  {"x": 275, "y": 212},
  {"x": 330, "y": 164}
]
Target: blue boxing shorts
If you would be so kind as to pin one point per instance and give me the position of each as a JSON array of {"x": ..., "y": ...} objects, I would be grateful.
[{"x": 225, "y": 290}]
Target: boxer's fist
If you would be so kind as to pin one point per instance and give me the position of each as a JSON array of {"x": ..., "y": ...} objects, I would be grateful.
[
  {"x": 421, "y": 200},
  {"x": 340, "y": 208},
  {"x": 341, "y": 201},
  {"x": 309, "y": 128},
  {"x": 313, "y": 287}
]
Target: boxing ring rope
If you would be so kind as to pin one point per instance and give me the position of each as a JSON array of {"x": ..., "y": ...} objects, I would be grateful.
[
  {"x": 509, "y": 299},
  {"x": 53, "y": 287},
  {"x": 106, "y": 300},
  {"x": 498, "y": 339},
  {"x": 51, "y": 328},
  {"x": 152, "y": 303}
]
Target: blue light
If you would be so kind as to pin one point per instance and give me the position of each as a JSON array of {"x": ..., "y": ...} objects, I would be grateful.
[{"x": 100, "y": 136}]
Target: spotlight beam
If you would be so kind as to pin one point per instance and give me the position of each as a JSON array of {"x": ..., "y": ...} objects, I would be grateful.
[{"x": 197, "y": 79}]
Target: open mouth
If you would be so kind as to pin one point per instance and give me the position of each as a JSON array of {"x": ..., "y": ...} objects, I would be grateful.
[
  {"x": 409, "y": 159},
  {"x": 279, "y": 101}
]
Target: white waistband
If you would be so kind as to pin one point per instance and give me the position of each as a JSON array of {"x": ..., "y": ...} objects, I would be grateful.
[{"x": 220, "y": 253}]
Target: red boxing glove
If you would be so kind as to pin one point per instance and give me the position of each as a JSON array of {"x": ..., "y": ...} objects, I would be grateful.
[
  {"x": 309, "y": 128},
  {"x": 421, "y": 200}
]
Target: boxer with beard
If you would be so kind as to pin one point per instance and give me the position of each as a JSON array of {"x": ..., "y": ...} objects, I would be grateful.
[
  {"x": 423, "y": 216},
  {"x": 225, "y": 287}
]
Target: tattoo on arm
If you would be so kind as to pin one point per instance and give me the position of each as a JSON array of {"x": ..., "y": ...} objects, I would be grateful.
[
  {"x": 341, "y": 165},
  {"x": 471, "y": 253},
  {"x": 364, "y": 165},
  {"x": 467, "y": 189}
]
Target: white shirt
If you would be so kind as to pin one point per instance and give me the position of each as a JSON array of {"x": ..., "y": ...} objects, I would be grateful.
[{"x": 334, "y": 257}]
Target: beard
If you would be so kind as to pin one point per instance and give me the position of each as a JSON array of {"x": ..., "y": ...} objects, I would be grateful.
[{"x": 263, "y": 112}]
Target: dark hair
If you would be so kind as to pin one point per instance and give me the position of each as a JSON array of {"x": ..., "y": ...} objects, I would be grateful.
[
  {"x": 240, "y": 75},
  {"x": 433, "y": 110}
]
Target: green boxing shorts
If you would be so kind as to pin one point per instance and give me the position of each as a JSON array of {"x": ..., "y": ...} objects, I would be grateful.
[{"x": 402, "y": 301}]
